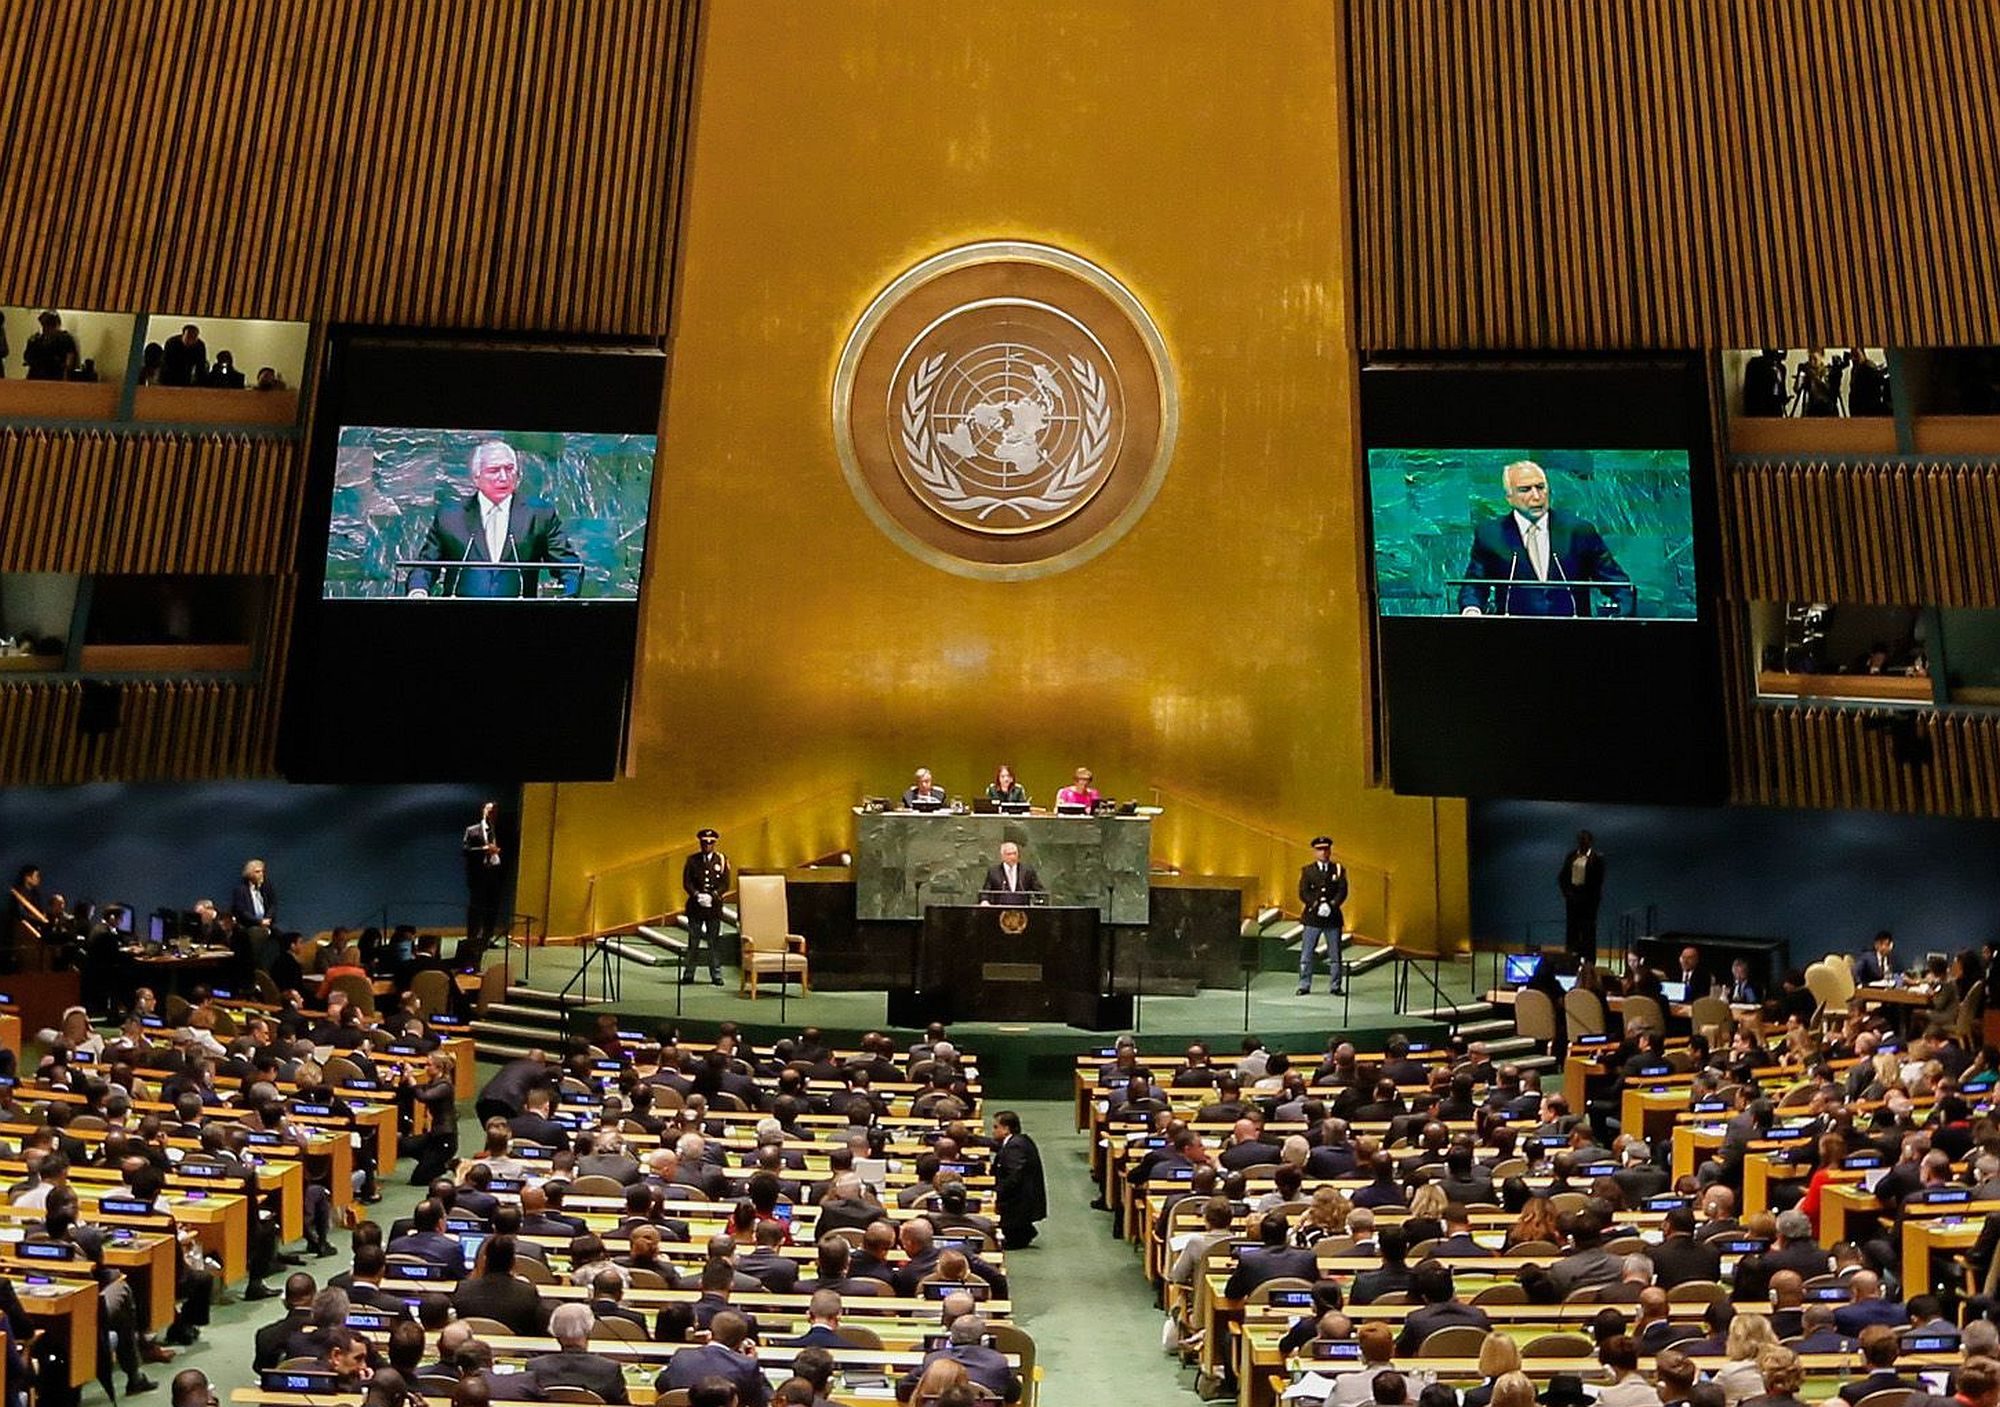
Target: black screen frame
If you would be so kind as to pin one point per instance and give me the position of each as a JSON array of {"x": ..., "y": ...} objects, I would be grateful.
[
  {"x": 1558, "y": 710},
  {"x": 463, "y": 691}
]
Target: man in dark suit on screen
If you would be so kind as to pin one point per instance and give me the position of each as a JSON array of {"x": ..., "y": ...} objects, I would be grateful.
[
  {"x": 495, "y": 523},
  {"x": 1532, "y": 554},
  {"x": 1010, "y": 882}
]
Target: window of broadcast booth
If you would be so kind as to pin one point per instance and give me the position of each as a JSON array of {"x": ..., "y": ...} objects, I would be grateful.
[
  {"x": 62, "y": 363},
  {"x": 70, "y": 365},
  {"x": 227, "y": 371}
]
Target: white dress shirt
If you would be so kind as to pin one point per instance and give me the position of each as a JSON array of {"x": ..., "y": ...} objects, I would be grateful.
[
  {"x": 493, "y": 523},
  {"x": 1535, "y": 536}
]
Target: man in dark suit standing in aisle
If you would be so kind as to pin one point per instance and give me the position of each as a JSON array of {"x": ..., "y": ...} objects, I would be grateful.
[
  {"x": 1017, "y": 1172},
  {"x": 705, "y": 877},
  {"x": 495, "y": 524},
  {"x": 1581, "y": 880},
  {"x": 1322, "y": 891},
  {"x": 1537, "y": 559},
  {"x": 481, "y": 849},
  {"x": 1011, "y": 883}
]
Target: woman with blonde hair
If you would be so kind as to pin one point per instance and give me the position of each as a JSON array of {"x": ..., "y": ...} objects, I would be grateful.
[
  {"x": 1783, "y": 1376},
  {"x": 1514, "y": 1389},
  {"x": 1426, "y": 1219},
  {"x": 1325, "y": 1215},
  {"x": 1738, "y": 1375},
  {"x": 1499, "y": 1358}
]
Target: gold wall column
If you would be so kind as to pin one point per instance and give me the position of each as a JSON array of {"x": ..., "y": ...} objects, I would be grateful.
[{"x": 792, "y": 652}]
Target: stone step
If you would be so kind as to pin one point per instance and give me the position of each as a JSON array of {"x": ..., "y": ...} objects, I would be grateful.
[
  {"x": 1534, "y": 1062},
  {"x": 526, "y": 1017},
  {"x": 1370, "y": 957},
  {"x": 1452, "y": 1012},
  {"x": 643, "y": 954},
  {"x": 672, "y": 939},
  {"x": 509, "y": 1031},
  {"x": 521, "y": 994},
  {"x": 1486, "y": 1030}
]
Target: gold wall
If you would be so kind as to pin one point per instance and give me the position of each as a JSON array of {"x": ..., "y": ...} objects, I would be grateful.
[{"x": 793, "y": 655}]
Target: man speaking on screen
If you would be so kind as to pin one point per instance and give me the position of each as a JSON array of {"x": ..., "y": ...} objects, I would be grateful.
[
  {"x": 1533, "y": 555},
  {"x": 495, "y": 523}
]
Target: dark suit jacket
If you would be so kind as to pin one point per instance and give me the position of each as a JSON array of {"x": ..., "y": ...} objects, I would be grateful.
[
  {"x": 1427, "y": 1319},
  {"x": 1869, "y": 968},
  {"x": 1576, "y": 553},
  {"x": 1260, "y": 1263},
  {"x": 1017, "y": 1174},
  {"x": 691, "y": 1365},
  {"x": 1679, "y": 1259},
  {"x": 1026, "y": 882},
  {"x": 534, "y": 534},
  {"x": 239, "y": 902},
  {"x": 779, "y": 1274},
  {"x": 512, "y": 1301},
  {"x": 1881, "y": 1380},
  {"x": 1321, "y": 895},
  {"x": 705, "y": 874},
  {"x": 576, "y": 1369},
  {"x": 271, "y": 1339},
  {"x": 1593, "y": 874}
]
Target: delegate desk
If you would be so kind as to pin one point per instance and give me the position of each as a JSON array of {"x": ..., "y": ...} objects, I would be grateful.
[
  {"x": 1012, "y": 964},
  {"x": 904, "y": 860}
]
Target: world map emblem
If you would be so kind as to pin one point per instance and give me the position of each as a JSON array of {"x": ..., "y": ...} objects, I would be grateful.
[{"x": 1005, "y": 410}]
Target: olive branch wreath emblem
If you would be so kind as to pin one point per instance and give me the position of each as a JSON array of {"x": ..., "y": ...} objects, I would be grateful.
[{"x": 944, "y": 483}]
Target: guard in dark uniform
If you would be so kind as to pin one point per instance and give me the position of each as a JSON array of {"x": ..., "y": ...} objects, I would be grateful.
[
  {"x": 705, "y": 877},
  {"x": 1322, "y": 890}
]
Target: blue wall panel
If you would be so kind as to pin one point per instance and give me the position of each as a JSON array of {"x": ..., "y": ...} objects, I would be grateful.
[
  {"x": 1825, "y": 880},
  {"x": 336, "y": 854}
]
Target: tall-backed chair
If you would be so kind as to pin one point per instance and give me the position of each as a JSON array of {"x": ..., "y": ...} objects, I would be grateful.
[
  {"x": 1585, "y": 1012},
  {"x": 768, "y": 949},
  {"x": 1535, "y": 1016}
]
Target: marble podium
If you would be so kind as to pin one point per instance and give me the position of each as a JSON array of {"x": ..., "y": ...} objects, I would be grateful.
[{"x": 905, "y": 860}]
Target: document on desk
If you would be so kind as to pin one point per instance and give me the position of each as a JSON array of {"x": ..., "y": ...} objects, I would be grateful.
[{"x": 1311, "y": 1387}]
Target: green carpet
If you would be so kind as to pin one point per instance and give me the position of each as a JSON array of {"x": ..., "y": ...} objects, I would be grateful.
[{"x": 1078, "y": 1290}]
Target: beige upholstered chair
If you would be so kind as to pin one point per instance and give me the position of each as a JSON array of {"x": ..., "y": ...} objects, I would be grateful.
[
  {"x": 1586, "y": 1013},
  {"x": 768, "y": 949}
]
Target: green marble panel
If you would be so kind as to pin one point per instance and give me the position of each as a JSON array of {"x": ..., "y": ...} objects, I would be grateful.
[{"x": 904, "y": 860}]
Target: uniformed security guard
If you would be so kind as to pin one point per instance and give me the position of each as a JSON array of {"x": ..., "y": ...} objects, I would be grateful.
[
  {"x": 705, "y": 877},
  {"x": 1322, "y": 890}
]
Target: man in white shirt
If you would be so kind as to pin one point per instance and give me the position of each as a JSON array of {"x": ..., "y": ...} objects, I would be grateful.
[
  {"x": 1010, "y": 882},
  {"x": 497, "y": 524},
  {"x": 1536, "y": 555}
]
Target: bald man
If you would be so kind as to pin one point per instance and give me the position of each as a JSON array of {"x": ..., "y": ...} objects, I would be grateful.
[{"x": 1534, "y": 556}]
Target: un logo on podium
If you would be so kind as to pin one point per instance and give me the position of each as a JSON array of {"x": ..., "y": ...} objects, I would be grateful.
[
  {"x": 1013, "y": 921},
  {"x": 1005, "y": 410}
]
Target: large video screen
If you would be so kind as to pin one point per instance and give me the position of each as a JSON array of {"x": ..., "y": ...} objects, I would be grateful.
[
  {"x": 1543, "y": 547},
  {"x": 488, "y": 515},
  {"x": 1548, "y": 533},
  {"x": 472, "y": 549}
]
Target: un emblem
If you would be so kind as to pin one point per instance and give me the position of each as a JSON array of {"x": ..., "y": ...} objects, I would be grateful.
[{"x": 1005, "y": 410}]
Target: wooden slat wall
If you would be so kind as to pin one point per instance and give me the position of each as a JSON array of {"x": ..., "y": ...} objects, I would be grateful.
[
  {"x": 167, "y": 730},
  {"x": 1707, "y": 174},
  {"x": 98, "y": 502},
  {"x": 1886, "y": 534},
  {"x": 1674, "y": 173},
  {"x": 508, "y": 165}
]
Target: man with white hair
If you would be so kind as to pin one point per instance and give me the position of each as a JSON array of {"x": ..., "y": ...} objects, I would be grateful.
[
  {"x": 573, "y": 1365},
  {"x": 984, "y": 1365},
  {"x": 1533, "y": 559},
  {"x": 495, "y": 524}
]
